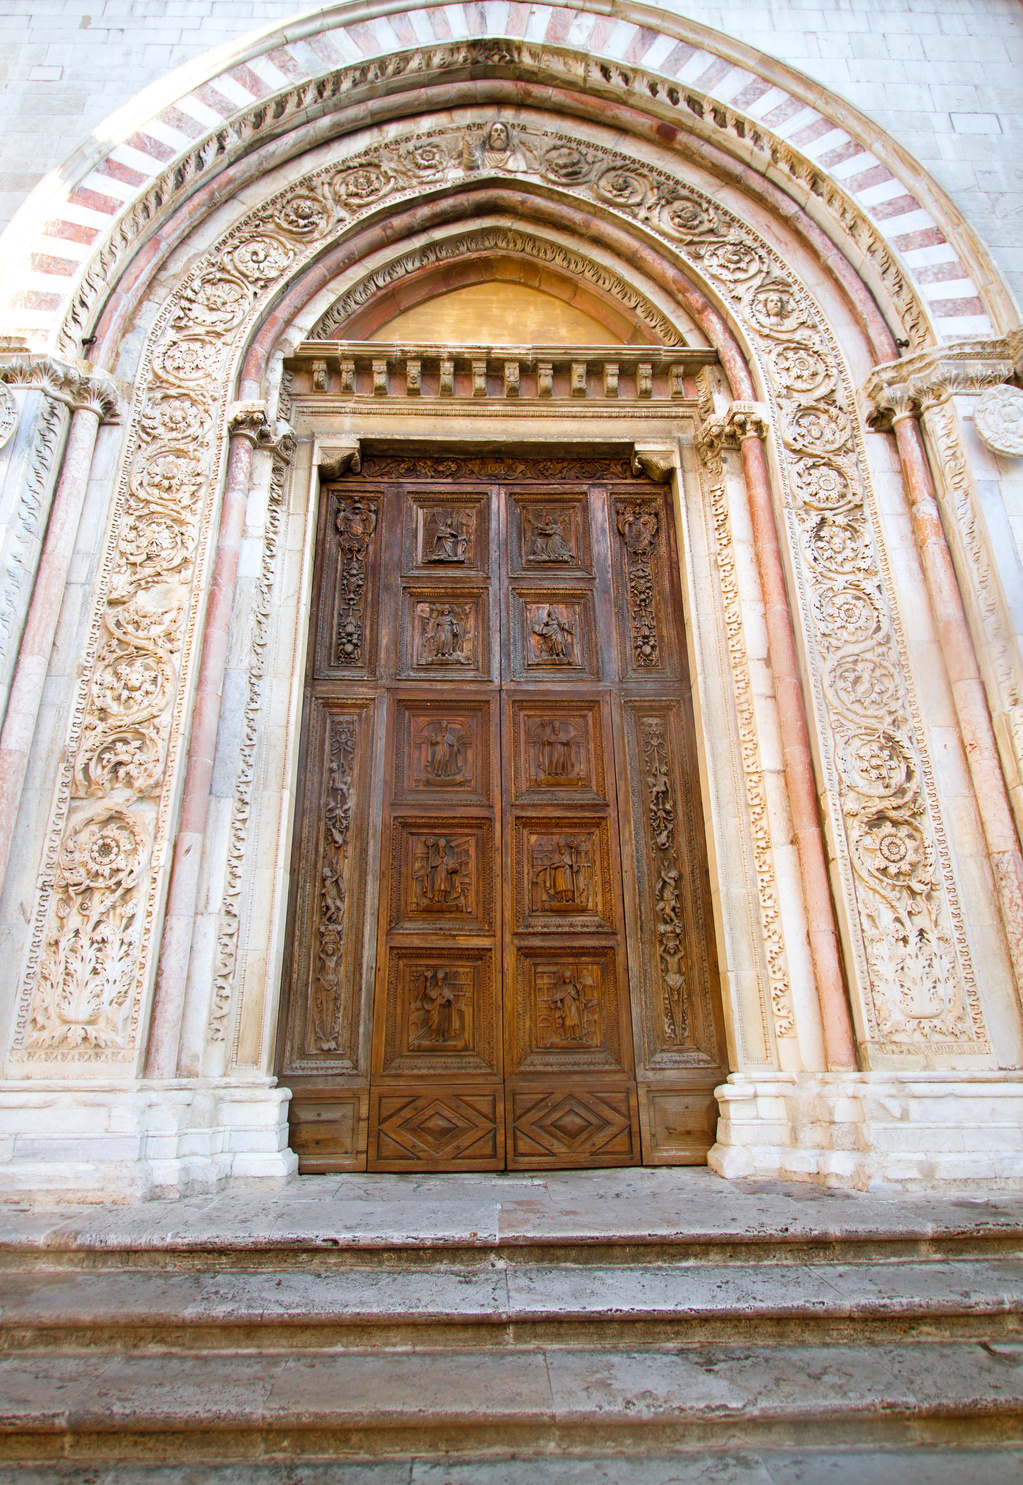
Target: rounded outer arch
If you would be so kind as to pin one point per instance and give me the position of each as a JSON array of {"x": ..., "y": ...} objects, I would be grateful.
[{"x": 693, "y": 83}]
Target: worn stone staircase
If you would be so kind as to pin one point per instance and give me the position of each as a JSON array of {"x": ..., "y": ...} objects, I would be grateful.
[{"x": 595, "y": 1323}]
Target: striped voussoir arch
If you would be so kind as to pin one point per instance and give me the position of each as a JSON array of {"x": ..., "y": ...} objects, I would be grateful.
[{"x": 43, "y": 284}]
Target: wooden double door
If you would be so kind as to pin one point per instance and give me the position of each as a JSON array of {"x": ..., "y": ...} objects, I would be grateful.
[{"x": 501, "y": 950}]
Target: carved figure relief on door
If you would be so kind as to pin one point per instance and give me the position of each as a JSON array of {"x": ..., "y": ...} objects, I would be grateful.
[{"x": 533, "y": 993}]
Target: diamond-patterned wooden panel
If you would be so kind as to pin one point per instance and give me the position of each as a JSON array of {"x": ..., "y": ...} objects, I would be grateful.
[
  {"x": 438, "y": 1130},
  {"x": 573, "y": 1126}
]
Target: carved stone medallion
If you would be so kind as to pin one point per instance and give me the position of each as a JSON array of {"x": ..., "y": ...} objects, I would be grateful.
[{"x": 998, "y": 419}]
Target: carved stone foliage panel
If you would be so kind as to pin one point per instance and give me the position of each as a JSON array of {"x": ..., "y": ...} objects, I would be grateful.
[
  {"x": 326, "y": 990},
  {"x": 748, "y": 763},
  {"x": 91, "y": 954}
]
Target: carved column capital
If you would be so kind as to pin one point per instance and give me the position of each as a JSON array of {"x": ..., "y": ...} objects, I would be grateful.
[
  {"x": 728, "y": 429},
  {"x": 908, "y": 387},
  {"x": 340, "y": 456},
  {"x": 249, "y": 420},
  {"x": 77, "y": 384},
  {"x": 656, "y": 460}
]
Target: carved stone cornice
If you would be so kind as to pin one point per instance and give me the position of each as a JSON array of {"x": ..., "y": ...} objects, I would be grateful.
[
  {"x": 728, "y": 429},
  {"x": 655, "y": 460},
  {"x": 908, "y": 387},
  {"x": 249, "y": 420},
  {"x": 77, "y": 384}
]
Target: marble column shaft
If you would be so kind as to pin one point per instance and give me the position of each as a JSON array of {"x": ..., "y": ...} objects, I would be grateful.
[{"x": 41, "y": 622}]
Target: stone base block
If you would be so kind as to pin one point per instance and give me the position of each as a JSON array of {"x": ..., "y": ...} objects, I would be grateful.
[
  {"x": 873, "y": 1131},
  {"x": 116, "y": 1143}
]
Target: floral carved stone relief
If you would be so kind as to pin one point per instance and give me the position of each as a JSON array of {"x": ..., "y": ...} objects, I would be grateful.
[{"x": 910, "y": 945}]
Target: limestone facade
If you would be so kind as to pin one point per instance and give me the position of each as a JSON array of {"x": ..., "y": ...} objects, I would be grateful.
[{"x": 810, "y": 342}]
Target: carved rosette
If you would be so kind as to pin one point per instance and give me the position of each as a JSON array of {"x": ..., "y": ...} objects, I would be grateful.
[{"x": 128, "y": 724}]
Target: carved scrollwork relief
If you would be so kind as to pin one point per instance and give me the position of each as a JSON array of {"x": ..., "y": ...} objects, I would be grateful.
[
  {"x": 354, "y": 524},
  {"x": 663, "y": 826},
  {"x": 326, "y": 1000},
  {"x": 638, "y": 526},
  {"x": 229, "y": 926},
  {"x": 755, "y": 787},
  {"x": 128, "y": 725}
]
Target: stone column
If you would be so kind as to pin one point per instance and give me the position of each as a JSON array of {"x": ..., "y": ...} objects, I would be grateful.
[
  {"x": 41, "y": 622},
  {"x": 249, "y": 429},
  {"x": 744, "y": 425},
  {"x": 897, "y": 408}
]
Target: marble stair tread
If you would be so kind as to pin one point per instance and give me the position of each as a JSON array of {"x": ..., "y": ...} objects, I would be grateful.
[
  {"x": 37, "y": 1302},
  {"x": 404, "y": 1399},
  {"x": 644, "y": 1206}
]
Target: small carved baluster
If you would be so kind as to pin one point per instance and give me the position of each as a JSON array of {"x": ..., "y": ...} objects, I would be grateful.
[
  {"x": 645, "y": 379},
  {"x": 328, "y": 989},
  {"x": 319, "y": 376},
  {"x": 380, "y": 382},
  {"x": 355, "y": 523},
  {"x": 479, "y": 378},
  {"x": 347, "y": 378},
  {"x": 545, "y": 379},
  {"x": 610, "y": 378},
  {"x": 667, "y": 888},
  {"x": 638, "y": 526},
  {"x": 413, "y": 378},
  {"x": 511, "y": 378},
  {"x": 578, "y": 382},
  {"x": 447, "y": 378}
]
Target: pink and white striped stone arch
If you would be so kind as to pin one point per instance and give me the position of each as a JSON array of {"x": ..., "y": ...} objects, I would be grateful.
[{"x": 816, "y": 145}]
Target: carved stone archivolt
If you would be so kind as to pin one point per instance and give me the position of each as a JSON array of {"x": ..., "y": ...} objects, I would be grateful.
[
  {"x": 531, "y": 61},
  {"x": 908, "y": 941},
  {"x": 488, "y": 241}
]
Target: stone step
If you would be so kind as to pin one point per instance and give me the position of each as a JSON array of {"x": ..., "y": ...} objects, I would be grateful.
[
  {"x": 235, "y": 1406},
  {"x": 666, "y": 1215},
  {"x": 508, "y": 1305},
  {"x": 853, "y": 1465}
]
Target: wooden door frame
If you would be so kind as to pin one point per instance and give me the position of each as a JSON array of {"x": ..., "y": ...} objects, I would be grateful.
[{"x": 661, "y": 440}]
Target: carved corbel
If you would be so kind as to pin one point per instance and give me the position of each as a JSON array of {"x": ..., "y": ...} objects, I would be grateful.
[
  {"x": 728, "y": 429},
  {"x": 341, "y": 456},
  {"x": 655, "y": 460},
  {"x": 248, "y": 420}
]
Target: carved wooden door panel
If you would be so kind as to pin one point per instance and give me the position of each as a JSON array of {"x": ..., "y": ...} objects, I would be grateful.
[{"x": 500, "y": 889}]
